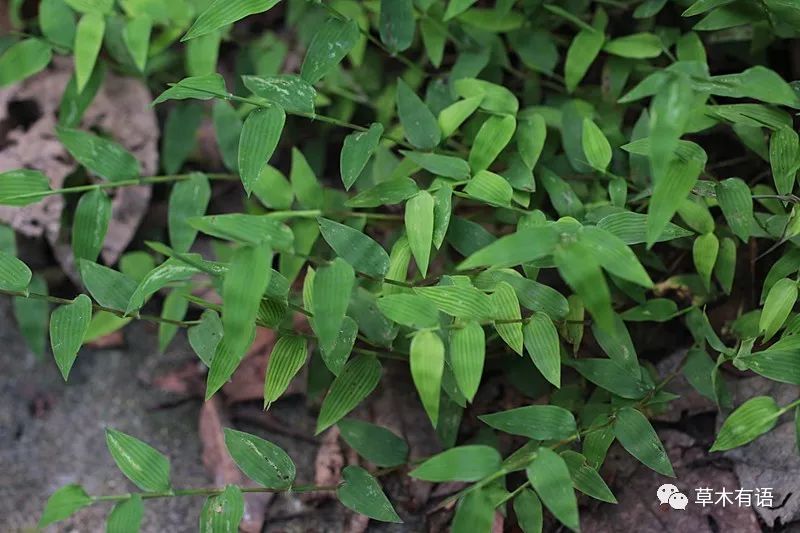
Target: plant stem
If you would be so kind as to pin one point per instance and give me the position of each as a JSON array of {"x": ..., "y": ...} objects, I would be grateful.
[{"x": 209, "y": 491}]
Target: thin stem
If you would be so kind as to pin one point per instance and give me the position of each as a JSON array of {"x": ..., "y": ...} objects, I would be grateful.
[{"x": 209, "y": 491}]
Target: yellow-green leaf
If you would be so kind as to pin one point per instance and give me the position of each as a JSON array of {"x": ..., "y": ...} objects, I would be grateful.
[
  {"x": 145, "y": 466},
  {"x": 467, "y": 355},
  {"x": 419, "y": 228},
  {"x": 541, "y": 341},
  {"x": 260, "y": 135},
  {"x": 68, "y": 326},
  {"x": 287, "y": 358},
  {"x": 427, "y": 365},
  {"x": 223, "y": 12}
]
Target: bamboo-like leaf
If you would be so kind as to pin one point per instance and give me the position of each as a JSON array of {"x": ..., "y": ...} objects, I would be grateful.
[
  {"x": 581, "y": 272},
  {"x": 540, "y": 422},
  {"x": 396, "y": 24},
  {"x": 440, "y": 165},
  {"x": 332, "y": 42},
  {"x": 244, "y": 285},
  {"x": 784, "y": 158},
  {"x": 260, "y": 135},
  {"x": 376, "y": 444},
  {"x": 779, "y": 303},
  {"x": 581, "y": 54},
  {"x": 490, "y": 188},
  {"x": 528, "y": 509},
  {"x": 749, "y": 421},
  {"x": 247, "y": 229},
  {"x": 68, "y": 325},
  {"x": 595, "y": 146},
  {"x": 614, "y": 255},
  {"x": 23, "y": 59},
  {"x": 63, "y": 503},
  {"x": 188, "y": 199},
  {"x": 549, "y": 475},
  {"x": 332, "y": 287},
  {"x": 409, "y": 310},
  {"x": 508, "y": 316},
  {"x": 524, "y": 246},
  {"x": 23, "y": 187},
  {"x": 222, "y": 513},
  {"x": 174, "y": 309},
  {"x": 427, "y": 365},
  {"x": 451, "y": 117},
  {"x": 260, "y": 460},
  {"x": 205, "y": 336},
  {"x": 419, "y": 124},
  {"x": 88, "y": 40},
  {"x": 136, "y": 36},
  {"x": 145, "y": 466},
  {"x": 704, "y": 253},
  {"x": 90, "y": 224},
  {"x": 223, "y": 12},
  {"x": 361, "y": 493},
  {"x": 126, "y": 516},
  {"x": 462, "y": 463},
  {"x": 291, "y": 93},
  {"x": 33, "y": 317},
  {"x": 362, "y": 252},
  {"x": 14, "y": 274},
  {"x": 458, "y": 301},
  {"x": 639, "y": 438},
  {"x": 493, "y": 136},
  {"x": 585, "y": 478},
  {"x": 287, "y": 358},
  {"x": 357, "y": 150},
  {"x": 107, "y": 286},
  {"x": 467, "y": 355},
  {"x": 105, "y": 158},
  {"x": 736, "y": 203},
  {"x": 195, "y": 87},
  {"x": 358, "y": 379},
  {"x": 419, "y": 228},
  {"x": 631, "y": 228},
  {"x": 541, "y": 341}
]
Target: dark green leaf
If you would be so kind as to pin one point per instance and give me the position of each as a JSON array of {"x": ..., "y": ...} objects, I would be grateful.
[
  {"x": 361, "y": 493},
  {"x": 260, "y": 460},
  {"x": 419, "y": 124},
  {"x": 462, "y": 463},
  {"x": 145, "y": 466},
  {"x": 223, "y": 12},
  {"x": 358, "y": 379},
  {"x": 376, "y": 444},
  {"x": 363, "y": 253},
  {"x": 638, "y": 437}
]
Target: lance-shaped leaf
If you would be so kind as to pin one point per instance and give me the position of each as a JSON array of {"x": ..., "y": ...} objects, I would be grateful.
[
  {"x": 14, "y": 274},
  {"x": 357, "y": 380},
  {"x": 490, "y": 188},
  {"x": 23, "y": 187},
  {"x": 290, "y": 92},
  {"x": 332, "y": 42},
  {"x": 585, "y": 478},
  {"x": 638, "y": 437},
  {"x": 260, "y": 135},
  {"x": 427, "y": 365},
  {"x": 462, "y": 463},
  {"x": 244, "y": 285},
  {"x": 357, "y": 149},
  {"x": 107, "y": 286},
  {"x": 126, "y": 516},
  {"x": 749, "y": 421},
  {"x": 451, "y": 117},
  {"x": 90, "y": 224},
  {"x": 396, "y": 24},
  {"x": 540, "y": 422},
  {"x": 260, "y": 460},
  {"x": 419, "y": 124},
  {"x": 467, "y": 355},
  {"x": 528, "y": 509},
  {"x": 63, "y": 503},
  {"x": 336, "y": 356},
  {"x": 361, "y": 493},
  {"x": 287, "y": 358},
  {"x": 440, "y": 165},
  {"x": 145, "y": 466},
  {"x": 459, "y": 301},
  {"x": 442, "y": 211},
  {"x": 374, "y": 443},
  {"x": 779, "y": 303},
  {"x": 582, "y": 52},
  {"x": 493, "y": 136},
  {"x": 32, "y": 317},
  {"x": 169, "y": 271},
  {"x": 549, "y": 475},
  {"x": 362, "y": 252},
  {"x": 24, "y": 59},
  {"x": 222, "y": 513},
  {"x": 136, "y": 35},
  {"x": 704, "y": 253},
  {"x": 88, "y": 40},
  {"x": 524, "y": 246},
  {"x": 105, "y": 158},
  {"x": 419, "y": 228},
  {"x": 632, "y": 228},
  {"x": 188, "y": 199},
  {"x": 669, "y": 192},
  {"x": 195, "y": 87},
  {"x": 784, "y": 158},
  {"x": 332, "y": 286},
  {"x": 614, "y": 255},
  {"x": 580, "y": 270},
  {"x": 669, "y": 114},
  {"x": 541, "y": 341},
  {"x": 223, "y": 12},
  {"x": 68, "y": 325},
  {"x": 247, "y": 229},
  {"x": 409, "y": 310},
  {"x": 734, "y": 198},
  {"x": 204, "y": 337},
  {"x": 227, "y": 356},
  {"x": 508, "y": 316},
  {"x": 595, "y": 146}
]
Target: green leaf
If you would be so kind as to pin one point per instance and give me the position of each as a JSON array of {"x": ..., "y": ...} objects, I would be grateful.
[
  {"x": 14, "y": 274},
  {"x": 244, "y": 285},
  {"x": 581, "y": 54},
  {"x": 68, "y": 325},
  {"x": 461, "y": 302},
  {"x": 456, "y": 7},
  {"x": 636, "y": 46},
  {"x": 440, "y": 165},
  {"x": 126, "y": 516},
  {"x": 638, "y": 437},
  {"x": 758, "y": 82},
  {"x": 246, "y": 229},
  {"x": 669, "y": 192},
  {"x": 32, "y": 317},
  {"x": 92, "y": 6},
  {"x": 287, "y": 358},
  {"x": 23, "y": 59},
  {"x": 222, "y": 513},
  {"x": 451, "y": 117},
  {"x": 174, "y": 308},
  {"x": 88, "y": 40},
  {"x": 195, "y": 87},
  {"x": 105, "y": 158},
  {"x": 107, "y": 286},
  {"x": 490, "y": 188},
  {"x": 363, "y": 253},
  {"x": 549, "y": 475},
  {"x": 580, "y": 270},
  {"x": 725, "y": 267},
  {"x": 613, "y": 377},
  {"x": 136, "y": 35},
  {"x": 506, "y": 309},
  {"x": 357, "y": 380},
  {"x": 179, "y": 137},
  {"x": 779, "y": 303},
  {"x": 396, "y": 24},
  {"x": 462, "y": 463},
  {"x": 467, "y": 354},
  {"x": 585, "y": 478},
  {"x": 614, "y": 255},
  {"x": 333, "y": 284},
  {"x": 427, "y": 365},
  {"x": 23, "y": 187},
  {"x": 361, "y": 493},
  {"x": 305, "y": 185},
  {"x": 474, "y": 512},
  {"x": 260, "y": 460},
  {"x": 374, "y": 443},
  {"x": 419, "y": 125},
  {"x": 205, "y": 336},
  {"x": 273, "y": 189},
  {"x": 669, "y": 113},
  {"x": 332, "y": 42},
  {"x": 57, "y": 22},
  {"x": 701, "y": 6},
  {"x": 223, "y": 12},
  {"x": 145, "y": 466},
  {"x": 531, "y": 135},
  {"x": 493, "y": 136},
  {"x": 290, "y": 92},
  {"x": 63, "y": 503},
  {"x": 704, "y": 253},
  {"x": 540, "y": 422},
  {"x": 541, "y": 341},
  {"x": 260, "y": 136},
  {"x": 494, "y": 98},
  {"x": 90, "y": 224},
  {"x": 409, "y": 310},
  {"x": 528, "y": 509},
  {"x": 736, "y": 203},
  {"x": 595, "y": 146},
  {"x": 524, "y": 246},
  {"x": 188, "y": 199},
  {"x": 784, "y": 158},
  {"x": 631, "y": 228},
  {"x": 419, "y": 228},
  {"x": 357, "y": 149},
  {"x": 749, "y": 421}
]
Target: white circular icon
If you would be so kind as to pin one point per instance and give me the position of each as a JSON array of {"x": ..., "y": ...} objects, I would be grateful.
[
  {"x": 678, "y": 501},
  {"x": 665, "y": 491}
]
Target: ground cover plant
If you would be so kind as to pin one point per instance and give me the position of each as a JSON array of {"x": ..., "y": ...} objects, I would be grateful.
[{"x": 464, "y": 188}]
